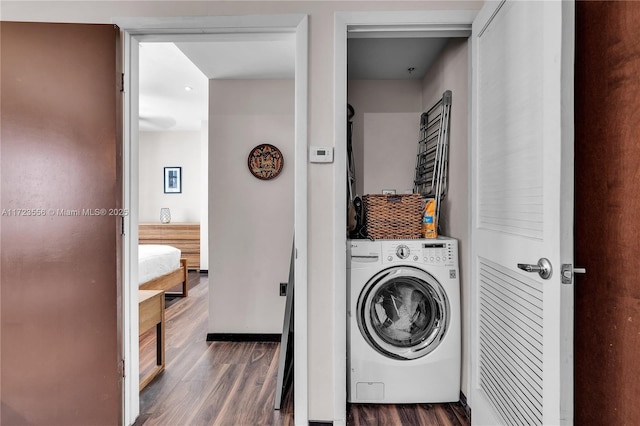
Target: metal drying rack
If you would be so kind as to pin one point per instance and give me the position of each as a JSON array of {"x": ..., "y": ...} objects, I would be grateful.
[{"x": 433, "y": 152}]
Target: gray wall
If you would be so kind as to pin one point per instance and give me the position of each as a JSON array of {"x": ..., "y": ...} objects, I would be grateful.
[{"x": 250, "y": 220}]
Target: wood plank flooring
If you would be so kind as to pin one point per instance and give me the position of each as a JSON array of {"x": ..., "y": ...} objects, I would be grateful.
[
  {"x": 233, "y": 383},
  {"x": 407, "y": 415},
  {"x": 208, "y": 383}
]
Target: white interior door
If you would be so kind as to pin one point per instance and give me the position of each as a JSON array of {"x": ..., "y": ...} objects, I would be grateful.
[{"x": 522, "y": 201}]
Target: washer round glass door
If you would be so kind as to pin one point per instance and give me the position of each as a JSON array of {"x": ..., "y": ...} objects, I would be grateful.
[{"x": 403, "y": 312}]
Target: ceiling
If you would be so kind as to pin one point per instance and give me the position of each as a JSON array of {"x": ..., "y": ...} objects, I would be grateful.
[
  {"x": 174, "y": 77},
  {"x": 391, "y": 58},
  {"x": 165, "y": 104}
]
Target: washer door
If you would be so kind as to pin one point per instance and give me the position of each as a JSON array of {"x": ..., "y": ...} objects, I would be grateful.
[{"x": 403, "y": 312}]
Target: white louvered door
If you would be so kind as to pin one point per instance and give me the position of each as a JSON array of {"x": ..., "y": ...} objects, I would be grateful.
[{"x": 522, "y": 200}]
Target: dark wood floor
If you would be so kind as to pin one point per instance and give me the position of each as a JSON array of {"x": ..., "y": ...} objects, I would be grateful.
[
  {"x": 233, "y": 384},
  {"x": 407, "y": 415},
  {"x": 208, "y": 383}
]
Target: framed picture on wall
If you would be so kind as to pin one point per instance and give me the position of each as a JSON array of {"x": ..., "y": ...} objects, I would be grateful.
[{"x": 172, "y": 180}]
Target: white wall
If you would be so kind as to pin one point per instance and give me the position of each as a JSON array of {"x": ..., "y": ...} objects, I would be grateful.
[
  {"x": 391, "y": 142},
  {"x": 385, "y": 133},
  {"x": 320, "y": 125},
  {"x": 450, "y": 72},
  {"x": 168, "y": 149},
  {"x": 250, "y": 220}
]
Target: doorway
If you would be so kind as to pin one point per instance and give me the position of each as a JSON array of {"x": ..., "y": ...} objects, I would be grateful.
[
  {"x": 556, "y": 90},
  {"x": 185, "y": 29},
  {"x": 443, "y": 24}
]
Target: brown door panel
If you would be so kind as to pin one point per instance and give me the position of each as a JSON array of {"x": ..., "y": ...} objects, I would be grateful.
[
  {"x": 59, "y": 277},
  {"x": 607, "y": 155}
]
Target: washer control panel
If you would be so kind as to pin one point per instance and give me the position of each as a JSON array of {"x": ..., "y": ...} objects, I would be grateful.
[
  {"x": 430, "y": 252},
  {"x": 437, "y": 253}
]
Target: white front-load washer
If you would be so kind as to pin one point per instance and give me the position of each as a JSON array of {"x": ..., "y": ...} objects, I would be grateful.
[{"x": 403, "y": 335}]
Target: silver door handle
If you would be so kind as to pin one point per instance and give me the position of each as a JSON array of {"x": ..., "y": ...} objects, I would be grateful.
[{"x": 543, "y": 268}]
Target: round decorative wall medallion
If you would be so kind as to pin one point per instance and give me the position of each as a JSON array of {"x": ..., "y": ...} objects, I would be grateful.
[{"x": 265, "y": 161}]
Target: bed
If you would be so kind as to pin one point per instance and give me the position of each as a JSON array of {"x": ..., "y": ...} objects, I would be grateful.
[{"x": 160, "y": 267}]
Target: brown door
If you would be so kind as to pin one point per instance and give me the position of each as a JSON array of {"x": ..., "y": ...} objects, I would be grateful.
[
  {"x": 607, "y": 164},
  {"x": 60, "y": 191}
]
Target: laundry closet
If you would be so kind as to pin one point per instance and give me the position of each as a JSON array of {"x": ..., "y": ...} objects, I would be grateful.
[{"x": 391, "y": 82}]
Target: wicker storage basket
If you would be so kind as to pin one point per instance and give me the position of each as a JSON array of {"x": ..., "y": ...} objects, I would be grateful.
[{"x": 393, "y": 216}]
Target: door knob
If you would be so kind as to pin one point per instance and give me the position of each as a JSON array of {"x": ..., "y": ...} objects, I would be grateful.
[{"x": 543, "y": 268}]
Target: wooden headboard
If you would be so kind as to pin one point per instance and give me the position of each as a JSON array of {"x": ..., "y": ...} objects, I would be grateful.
[{"x": 181, "y": 235}]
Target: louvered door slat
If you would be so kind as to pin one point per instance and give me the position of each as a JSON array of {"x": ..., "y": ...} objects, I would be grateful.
[{"x": 511, "y": 345}]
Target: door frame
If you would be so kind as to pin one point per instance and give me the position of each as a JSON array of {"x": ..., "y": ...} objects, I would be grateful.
[
  {"x": 406, "y": 24},
  {"x": 169, "y": 29}
]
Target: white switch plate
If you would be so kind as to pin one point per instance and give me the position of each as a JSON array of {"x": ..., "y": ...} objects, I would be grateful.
[{"x": 321, "y": 154}]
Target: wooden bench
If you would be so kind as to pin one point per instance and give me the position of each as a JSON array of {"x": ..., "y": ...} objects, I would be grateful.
[{"x": 151, "y": 313}]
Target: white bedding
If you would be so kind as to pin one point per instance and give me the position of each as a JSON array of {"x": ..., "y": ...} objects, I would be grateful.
[{"x": 155, "y": 260}]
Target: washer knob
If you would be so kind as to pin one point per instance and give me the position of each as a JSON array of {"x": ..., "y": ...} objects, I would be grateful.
[
  {"x": 415, "y": 258},
  {"x": 403, "y": 251},
  {"x": 390, "y": 258}
]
